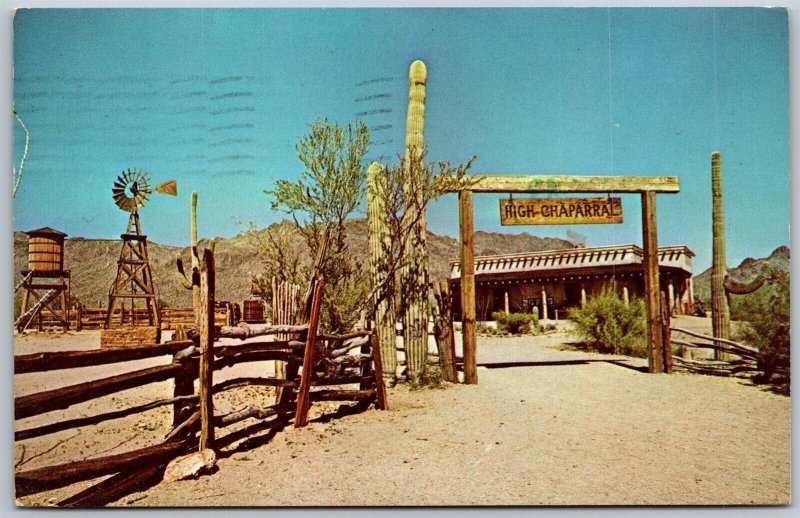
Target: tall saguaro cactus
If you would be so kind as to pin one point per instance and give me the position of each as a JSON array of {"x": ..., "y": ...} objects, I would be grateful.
[
  {"x": 380, "y": 270},
  {"x": 192, "y": 281},
  {"x": 415, "y": 278},
  {"x": 720, "y": 311}
]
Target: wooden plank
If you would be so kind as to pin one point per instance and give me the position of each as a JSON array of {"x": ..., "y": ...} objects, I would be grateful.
[
  {"x": 29, "y": 433},
  {"x": 570, "y": 183},
  {"x": 560, "y": 211},
  {"x": 285, "y": 346},
  {"x": 254, "y": 356},
  {"x": 655, "y": 339},
  {"x": 342, "y": 395},
  {"x": 301, "y": 415},
  {"x": 49, "y": 361},
  {"x": 60, "y": 398},
  {"x": 469, "y": 331},
  {"x": 251, "y": 381},
  {"x": 206, "y": 320},
  {"x": 115, "y": 487},
  {"x": 51, "y": 477}
]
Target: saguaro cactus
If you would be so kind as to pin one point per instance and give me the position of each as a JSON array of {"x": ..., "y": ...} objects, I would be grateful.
[
  {"x": 192, "y": 282},
  {"x": 415, "y": 280},
  {"x": 380, "y": 275},
  {"x": 720, "y": 310}
]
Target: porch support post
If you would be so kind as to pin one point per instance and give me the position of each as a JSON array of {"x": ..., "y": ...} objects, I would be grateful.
[{"x": 544, "y": 303}]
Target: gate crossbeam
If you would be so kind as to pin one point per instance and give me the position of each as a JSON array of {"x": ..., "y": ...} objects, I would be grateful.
[{"x": 568, "y": 183}]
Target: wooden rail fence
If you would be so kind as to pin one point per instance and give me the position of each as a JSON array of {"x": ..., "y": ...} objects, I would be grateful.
[
  {"x": 86, "y": 318},
  {"x": 748, "y": 359},
  {"x": 318, "y": 366}
]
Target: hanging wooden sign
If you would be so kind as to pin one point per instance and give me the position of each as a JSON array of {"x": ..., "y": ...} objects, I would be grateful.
[{"x": 560, "y": 211}]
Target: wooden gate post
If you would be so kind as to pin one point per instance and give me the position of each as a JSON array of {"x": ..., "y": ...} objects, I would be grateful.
[
  {"x": 655, "y": 338},
  {"x": 469, "y": 337},
  {"x": 666, "y": 334},
  {"x": 206, "y": 320}
]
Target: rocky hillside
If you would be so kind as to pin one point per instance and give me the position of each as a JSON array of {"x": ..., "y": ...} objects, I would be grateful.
[
  {"x": 93, "y": 262},
  {"x": 747, "y": 270}
]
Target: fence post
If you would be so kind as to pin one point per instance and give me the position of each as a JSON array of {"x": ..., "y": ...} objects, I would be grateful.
[
  {"x": 665, "y": 333},
  {"x": 443, "y": 329},
  {"x": 206, "y": 320},
  {"x": 184, "y": 386}
]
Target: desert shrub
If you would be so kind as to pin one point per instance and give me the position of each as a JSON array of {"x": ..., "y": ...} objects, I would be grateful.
[
  {"x": 548, "y": 327},
  {"x": 430, "y": 378},
  {"x": 767, "y": 326},
  {"x": 516, "y": 323},
  {"x": 483, "y": 329},
  {"x": 607, "y": 325}
]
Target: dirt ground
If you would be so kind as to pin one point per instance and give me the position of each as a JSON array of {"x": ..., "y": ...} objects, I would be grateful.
[{"x": 573, "y": 434}]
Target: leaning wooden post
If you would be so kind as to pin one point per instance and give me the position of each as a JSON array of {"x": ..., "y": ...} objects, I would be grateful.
[
  {"x": 720, "y": 311},
  {"x": 382, "y": 280},
  {"x": 468, "y": 330},
  {"x": 655, "y": 339},
  {"x": 206, "y": 318},
  {"x": 303, "y": 396},
  {"x": 415, "y": 323}
]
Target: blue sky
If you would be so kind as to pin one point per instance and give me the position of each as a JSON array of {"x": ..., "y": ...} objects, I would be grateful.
[{"x": 218, "y": 98}]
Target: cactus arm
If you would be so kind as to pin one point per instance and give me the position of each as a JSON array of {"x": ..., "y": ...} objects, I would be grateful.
[
  {"x": 182, "y": 274},
  {"x": 737, "y": 287}
]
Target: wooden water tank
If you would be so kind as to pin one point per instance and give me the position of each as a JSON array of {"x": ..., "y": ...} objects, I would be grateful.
[
  {"x": 254, "y": 310},
  {"x": 46, "y": 250}
]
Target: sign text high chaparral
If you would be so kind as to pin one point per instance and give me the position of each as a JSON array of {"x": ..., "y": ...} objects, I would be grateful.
[{"x": 560, "y": 211}]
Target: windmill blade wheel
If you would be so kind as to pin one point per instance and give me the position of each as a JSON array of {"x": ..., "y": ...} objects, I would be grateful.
[{"x": 131, "y": 190}]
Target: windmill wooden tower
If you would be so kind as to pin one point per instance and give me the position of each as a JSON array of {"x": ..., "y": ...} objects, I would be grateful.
[
  {"x": 45, "y": 281},
  {"x": 134, "y": 280}
]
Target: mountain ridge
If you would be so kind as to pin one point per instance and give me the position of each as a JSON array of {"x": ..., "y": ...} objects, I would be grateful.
[{"x": 93, "y": 262}]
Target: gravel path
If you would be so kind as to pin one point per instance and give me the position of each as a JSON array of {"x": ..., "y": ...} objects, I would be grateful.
[{"x": 577, "y": 434}]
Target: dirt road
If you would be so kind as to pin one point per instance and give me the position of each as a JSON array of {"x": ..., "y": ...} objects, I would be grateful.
[{"x": 575, "y": 434}]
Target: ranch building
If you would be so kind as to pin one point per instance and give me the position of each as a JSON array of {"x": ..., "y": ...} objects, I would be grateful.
[{"x": 550, "y": 282}]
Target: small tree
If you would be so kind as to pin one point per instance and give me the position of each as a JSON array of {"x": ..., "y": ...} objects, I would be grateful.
[
  {"x": 281, "y": 252},
  {"x": 607, "y": 325},
  {"x": 326, "y": 193}
]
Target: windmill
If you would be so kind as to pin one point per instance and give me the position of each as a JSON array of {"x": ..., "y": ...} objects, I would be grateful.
[{"x": 134, "y": 280}]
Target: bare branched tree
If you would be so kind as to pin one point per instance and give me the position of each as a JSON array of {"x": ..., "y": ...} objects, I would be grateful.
[{"x": 405, "y": 191}]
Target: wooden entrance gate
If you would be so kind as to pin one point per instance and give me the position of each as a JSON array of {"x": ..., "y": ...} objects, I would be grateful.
[{"x": 646, "y": 186}]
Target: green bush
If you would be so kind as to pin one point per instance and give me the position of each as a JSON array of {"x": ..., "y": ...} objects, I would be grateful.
[
  {"x": 516, "y": 323},
  {"x": 607, "y": 325},
  {"x": 767, "y": 325}
]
